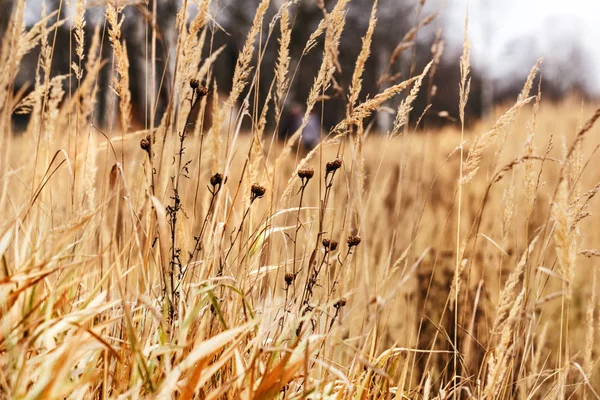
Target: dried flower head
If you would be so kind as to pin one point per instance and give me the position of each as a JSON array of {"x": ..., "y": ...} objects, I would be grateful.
[
  {"x": 146, "y": 144},
  {"x": 353, "y": 241},
  {"x": 289, "y": 279},
  {"x": 330, "y": 245},
  {"x": 201, "y": 91},
  {"x": 257, "y": 191},
  {"x": 306, "y": 173},
  {"x": 339, "y": 304},
  {"x": 333, "y": 165},
  {"x": 194, "y": 83},
  {"x": 216, "y": 179}
]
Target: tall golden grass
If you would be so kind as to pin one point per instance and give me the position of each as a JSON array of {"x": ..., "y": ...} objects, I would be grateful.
[{"x": 192, "y": 261}]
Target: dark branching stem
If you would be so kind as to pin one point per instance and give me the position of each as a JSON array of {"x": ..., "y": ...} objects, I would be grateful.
[
  {"x": 256, "y": 192},
  {"x": 216, "y": 184},
  {"x": 312, "y": 276},
  {"x": 305, "y": 175},
  {"x": 216, "y": 181},
  {"x": 198, "y": 92},
  {"x": 237, "y": 234}
]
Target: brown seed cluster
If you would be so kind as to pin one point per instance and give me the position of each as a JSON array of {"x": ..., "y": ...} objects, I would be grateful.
[
  {"x": 330, "y": 245},
  {"x": 257, "y": 191},
  {"x": 333, "y": 165},
  {"x": 146, "y": 145},
  {"x": 289, "y": 279},
  {"x": 306, "y": 173},
  {"x": 216, "y": 179},
  {"x": 201, "y": 91},
  {"x": 339, "y": 304},
  {"x": 353, "y": 241}
]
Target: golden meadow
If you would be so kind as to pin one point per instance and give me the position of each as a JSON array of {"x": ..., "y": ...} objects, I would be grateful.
[{"x": 210, "y": 261}]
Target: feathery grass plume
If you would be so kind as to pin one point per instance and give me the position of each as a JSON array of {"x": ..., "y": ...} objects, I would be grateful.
[
  {"x": 312, "y": 39},
  {"x": 562, "y": 213},
  {"x": 456, "y": 283},
  {"x": 55, "y": 97},
  {"x": 465, "y": 80},
  {"x": 87, "y": 183},
  {"x": 192, "y": 45},
  {"x": 215, "y": 154},
  {"x": 26, "y": 104},
  {"x": 85, "y": 95},
  {"x": 487, "y": 139},
  {"x": 334, "y": 27},
  {"x": 365, "y": 109},
  {"x": 530, "y": 175},
  {"x": 16, "y": 43},
  {"x": 590, "y": 329},
  {"x": 45, "y": 59},
  {"x": 361, "y": 60},
  {"x": 464, "y": 89},
  {"x": 508, "y": 199},
  {"x": 407, "y": 42},
  {"x": 406, "y": 105},
  {"x": 529, "y": 81},
  {"x": 498, "y": 364},
  {"x": 79, "y": 34},
  {"x": 87, "y": 89},
  {"x": 208, "y": 63},
  {"x": 242, "y": 68},
  {"x": 121, "y": 80},
  {"x": 505, "y": 302},
  {"x": 437, "y": 51},
  {"x": 10, "y": 61},
  {"x": 283, "y": 59}
]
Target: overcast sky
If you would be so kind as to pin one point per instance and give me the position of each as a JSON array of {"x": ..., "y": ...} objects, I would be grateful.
[
  {"x": 509, "y": 35},
  {"x": 549, "y": 25}
]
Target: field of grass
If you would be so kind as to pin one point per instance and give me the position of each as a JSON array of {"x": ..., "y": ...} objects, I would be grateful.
[{"x": 212, "y": 262}]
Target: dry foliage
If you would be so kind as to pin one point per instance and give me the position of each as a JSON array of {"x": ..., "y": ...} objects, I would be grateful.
[{"x": 197, "y": 261}]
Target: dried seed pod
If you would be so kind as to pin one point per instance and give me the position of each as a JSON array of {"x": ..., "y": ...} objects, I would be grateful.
[
  {"x": 201, "y": 91},
  {"x": 353, "y": 241},
  {"x": 289, "y": 279},
  {"x": 333, "y": 165},
  {"x": 194, "y": 83},
  {"x": 216, "y": 179},
  {"x": 257, "y": 191},
  {"x": 146, "y": 144},
  {"x": 306, "y": 173},
  {"x": 339, "y": 304},
  {"x": 333, "y": 245}
]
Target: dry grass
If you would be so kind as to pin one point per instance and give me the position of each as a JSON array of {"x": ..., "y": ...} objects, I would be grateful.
[{"x": 216, "y": 263}]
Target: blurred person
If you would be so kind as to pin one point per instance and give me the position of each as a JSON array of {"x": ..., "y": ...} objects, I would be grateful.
[
  {"x": 311, "y": 135},
  {"x": 291, "y": 122}
]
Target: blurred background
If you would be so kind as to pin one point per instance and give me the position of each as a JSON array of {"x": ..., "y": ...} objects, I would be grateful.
[{"x": 507, "y": 38}]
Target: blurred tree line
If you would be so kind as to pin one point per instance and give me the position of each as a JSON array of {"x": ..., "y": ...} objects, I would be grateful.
[{"x": 406, "y": 38}]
